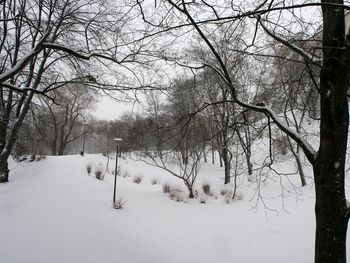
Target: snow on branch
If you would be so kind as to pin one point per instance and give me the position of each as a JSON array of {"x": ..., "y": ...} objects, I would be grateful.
[
  {"x": 309, "y": 151},
  {"x": 86, "y": 56},
  {"x": 307, "y": 56},
  {"x": 25, "y": 60}
]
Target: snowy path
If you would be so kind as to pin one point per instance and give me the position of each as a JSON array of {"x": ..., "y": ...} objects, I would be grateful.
[
  {"x": 55, "y": 212},
  {"x": 52, "y": 215}
]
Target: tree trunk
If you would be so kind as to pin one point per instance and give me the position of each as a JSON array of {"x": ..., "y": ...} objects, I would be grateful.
[
  {"x": 60, "y": 151},
  {"x": 204, "y": 154},
  {"x": 300, "y": 169},
  {"x": 329, "y": 167},
  {"x": 212, "y": 155},
  {"x": 249, "y": 164},
  {"x": 227, "y": 165},
  {"x": 331, "y": 215},
  {"x": 61, "y": 148},
  {"x": 4, "y": 174},
  {"x": 296, "y": 154},
  {"x": 53, "y": 147},
  {"x": 190, "y": 189},
  {"x": 246, "y": 146}
]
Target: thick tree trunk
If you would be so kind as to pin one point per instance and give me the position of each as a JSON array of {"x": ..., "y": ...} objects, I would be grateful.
[
  {"x": 54, "y": 147},
  {"x": 61, "y": 149},
  {"x": 7, "y": 142},
  {"x": 329, "y": 166},
  {"x": 331, "y": 214}
]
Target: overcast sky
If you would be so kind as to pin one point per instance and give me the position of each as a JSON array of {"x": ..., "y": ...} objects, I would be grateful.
[{"x": 109, "y": 109}]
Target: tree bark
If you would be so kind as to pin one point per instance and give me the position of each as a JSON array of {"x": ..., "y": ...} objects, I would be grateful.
[
  {"x": 300, "y": 170},
  {"x": 331, "y": 215},
  {"x": 220, "y": 160},
  {"x": 329, "y": 167},
  {"x": 296, "y": 154},
  {"x": 249, "y": 164},
  {"x": 4, "y": 174},
  {"x": 61, "y": 149},
  {"x": 212, "y": 155},
  {"x": 204, "y": 154},
  {"x": 54, "y": 147},
  {"x": 227, "y": 165},
  {"x": 191, "y": 194}
]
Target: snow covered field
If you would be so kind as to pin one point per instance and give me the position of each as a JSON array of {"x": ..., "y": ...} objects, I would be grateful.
[{"x": 52, "y": 211}]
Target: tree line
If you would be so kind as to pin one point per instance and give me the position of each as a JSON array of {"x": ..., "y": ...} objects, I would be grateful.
[{"x": 266, "y": 57}]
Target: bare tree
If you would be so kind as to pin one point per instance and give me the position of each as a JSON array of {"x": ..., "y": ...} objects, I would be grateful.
[
  {"x": 59, "y": 120},
  {"x": 47, "y": 44},
  {"x": 332, "y": 212}
]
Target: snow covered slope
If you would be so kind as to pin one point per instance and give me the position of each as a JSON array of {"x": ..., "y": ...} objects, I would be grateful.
[{"x": 53, "y": 211}]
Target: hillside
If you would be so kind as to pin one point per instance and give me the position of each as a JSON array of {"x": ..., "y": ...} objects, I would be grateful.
[{"x": 53, "y": 211}]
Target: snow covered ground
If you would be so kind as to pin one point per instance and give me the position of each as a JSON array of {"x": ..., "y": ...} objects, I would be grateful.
[{"x": 53, "y": 211}]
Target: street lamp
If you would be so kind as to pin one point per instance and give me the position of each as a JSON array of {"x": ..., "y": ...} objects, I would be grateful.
[
  {"x": 117, "y": 140},
  {"x": 84, "y": 133}
]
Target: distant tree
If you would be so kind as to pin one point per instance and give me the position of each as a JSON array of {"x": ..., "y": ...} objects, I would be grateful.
[{"x": 60, "y": 119}]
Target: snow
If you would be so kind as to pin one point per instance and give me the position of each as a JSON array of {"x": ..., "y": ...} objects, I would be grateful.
[
  {"x": 290, "y": 132},
  {"x": 53, "y": 211},
  {"x": 24, "y": 61}
]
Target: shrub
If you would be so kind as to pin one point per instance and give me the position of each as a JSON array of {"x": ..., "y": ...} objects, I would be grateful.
[
  {"x": 239, "y": 195},
  {"x": 126, "y": 174},
  {"x": 154, "y": 181},
  {"x": 227, "y": 188},
  {"x": 166, "y": 187},
  {"x": 119, "y": 203},
  {"x": 224, "y": 191},
  {"x": 176, "y": 194},
  {"x": 228, "y": 197},
  {"x": 281, "y": 145},
  {"x": 251, "y": 178},
  {"x": 207, "y": 189},
  {"x": 20, "y": 158},
  {"x": 40, "y": 157},
  {"x": 99, "y": 174},
  {"x": 88, "y": 168},
  {"x": 137, "y": 179},
  {"x": 203, "y": 198}
]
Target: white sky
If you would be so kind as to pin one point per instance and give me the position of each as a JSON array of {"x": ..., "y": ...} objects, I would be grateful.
[{"x": 109, "y": 109}]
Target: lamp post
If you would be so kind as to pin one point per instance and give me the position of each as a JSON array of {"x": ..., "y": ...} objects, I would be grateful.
[
  {"x": 84, "y": 135},
  {"x": 117, "y": 140}
]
